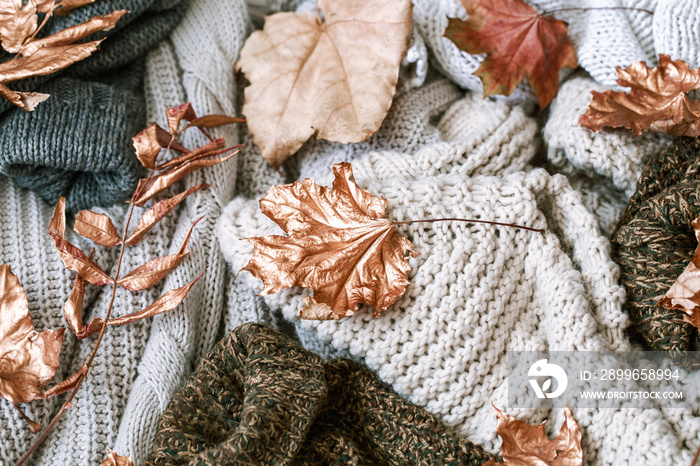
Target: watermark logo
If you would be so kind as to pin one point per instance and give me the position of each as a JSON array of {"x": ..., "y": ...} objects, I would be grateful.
[{"x": 542, "y": 368}]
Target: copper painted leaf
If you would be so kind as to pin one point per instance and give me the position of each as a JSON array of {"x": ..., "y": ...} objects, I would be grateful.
[
  {"x": 150, "y": 187},
  {"x": 213, "y": 121},
  {"x": 69, "y": 384},
  {"x": 335, "y": 77},
  {"x": 150, "y": 141},
  {"x": 25, "y": 100},
  {"x": 206, "y": 150},
  {"x": 159, "y": 210},
  {"x": 339, "y": 244},
  {"x": 28, "y": 359},
  {"x": 75, "y": 33},
  {"x": 64, "y": 6},
  {"x": 115, "y": 460},
  {"x": 72, "y": 257},
  {"x": 73, "y": 308},
  {"x": 684, "y": 294},
  {"x": 657, "y": 100},
  {"x": 518, "y": 42},
  {"x": 317, "y": 311},
  {"x": 178, "y": 113},
  {"x": 155, "y": 270},
  {"x": 169, "y": 301},
  {"x": 97, "y": 227},
  {"x": 525, "y": 444},
  {"x": 17, "y": 23},
  {"x": 45, "y": 61}
]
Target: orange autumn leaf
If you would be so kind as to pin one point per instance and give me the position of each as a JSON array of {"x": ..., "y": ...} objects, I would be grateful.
[
  {"x": 97, "y": 227},
  {"x": 339, "y": 245},
  {"x": 684, "y": 294},
  {"x": 525, "y": 444},
  {"x": 657, "y": 101},
  {"x": 115, "y": 460},
  {"x": 28, "y": 359},
  {"x": 333, "y": 73},
  {"x": 46, "y": 55},
  {"x": 518, "y": 42}
]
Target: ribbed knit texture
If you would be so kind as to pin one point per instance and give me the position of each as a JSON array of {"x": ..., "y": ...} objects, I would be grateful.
[
  {"x": 260, "y": 398},
  {"x": 141, "y": 365},
  {"x": 654, "y": 242},
  {"x": 78, "y": 143}
]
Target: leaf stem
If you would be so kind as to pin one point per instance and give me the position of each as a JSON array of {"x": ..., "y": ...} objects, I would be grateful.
[
  {"x": 626, "y": 8},
  {"x": 695, "y": 458},
  {"x": 470, "y": 220}
]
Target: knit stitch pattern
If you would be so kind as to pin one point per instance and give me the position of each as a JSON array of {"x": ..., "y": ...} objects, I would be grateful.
[
  {"x": 654, "y": 242},
  {"x": 260, "y": 398},
  {"x": 77, "y": 144}
]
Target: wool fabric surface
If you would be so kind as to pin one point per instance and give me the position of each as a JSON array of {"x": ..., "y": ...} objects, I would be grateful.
[
  {"x": 260, "y": 398},
  {"x": 655, "y": 241},
  {"x": 77, "y": 144},
  {"x": 139, "y": 366}
]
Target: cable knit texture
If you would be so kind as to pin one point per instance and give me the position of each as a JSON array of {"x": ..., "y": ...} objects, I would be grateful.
[
  {"x": 139, "y": 366},
  {"x": 260, "y": 398},
  {"x": 77, "y": 144},
  {"x": 655, "y": 241}
]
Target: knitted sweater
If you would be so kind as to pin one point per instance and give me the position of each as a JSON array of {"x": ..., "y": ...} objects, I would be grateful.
[
  {"x": 260, "y": 398},
  {"x": 139, "y": 366},
  {"x": 77, "y": 144},
  {"x": 478, "y": 291}
]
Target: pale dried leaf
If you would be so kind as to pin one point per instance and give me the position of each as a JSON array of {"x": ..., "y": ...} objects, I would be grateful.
[
  {"x": 150, "y": 141},
  {"x": 684, "y": 294},
  {"x": 115, "y": 460},
  {"x": 75, "y": 33},
  {"x": 45, "y": 61},
  {"x": 155, "y": 270},
  {"x": 97, "y": 227},
  {"x": 178, "y": 113},
  {"x": 525, "y": 444},
  {"x": 159, "y": 210},
  {"x": 657, "y": 100},
  {"x": 336, "y": 77},
  {"x": 28, "y": 359},
  {"x": 72, "y": 257},
  {"x": 518, "y": 42},
  {"x": 165, "y": 303},
  {"x": 318, "y": 311},
  {"x": 150, "y": 187},
  {"x": 17, "y": 23},
  {"x": 24, "y": 100},
  {"x": 206, "y": 150},
  {"x": 339, "y": 245}
]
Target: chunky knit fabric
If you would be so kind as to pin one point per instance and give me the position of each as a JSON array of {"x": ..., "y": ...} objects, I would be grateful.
[
  {"x": 654, "y": 242},
  {"x": 77, "y": 144},
  {"x": 141, "y": 365},
  {"x": 260, "y": 398}
]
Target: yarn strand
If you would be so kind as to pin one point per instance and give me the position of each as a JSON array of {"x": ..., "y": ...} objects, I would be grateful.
[{"x": 471, "y": 220}]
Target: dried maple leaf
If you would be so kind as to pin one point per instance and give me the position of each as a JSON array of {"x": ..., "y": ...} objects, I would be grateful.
[
  {"x": 339, "y": 244},
  {"x": 28, "y": 359},
  {"x": 684, "y": 294},
  {"x": 115, "y": 460},
  {"x": 334, "y": 76},
  {"x": 657, "y": 100},
  {"x": 518, "y": 42},
  {"x": 525, "y": 444},
  {"x": 18, "y": 29}
]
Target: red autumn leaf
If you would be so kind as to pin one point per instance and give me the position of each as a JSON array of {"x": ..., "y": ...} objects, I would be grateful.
[
  {"x": 657, "y": 101},
  {"x": 72, "y": 257},
  {"x": 28, "y": 359},
  {"x": 339, "y": 244},
  {"x": 518, "y": 42}
]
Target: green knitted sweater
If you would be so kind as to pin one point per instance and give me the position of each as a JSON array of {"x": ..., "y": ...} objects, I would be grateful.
[
  {"x": 77, "y": 144},
  {"x": 260, "y": 398}
]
